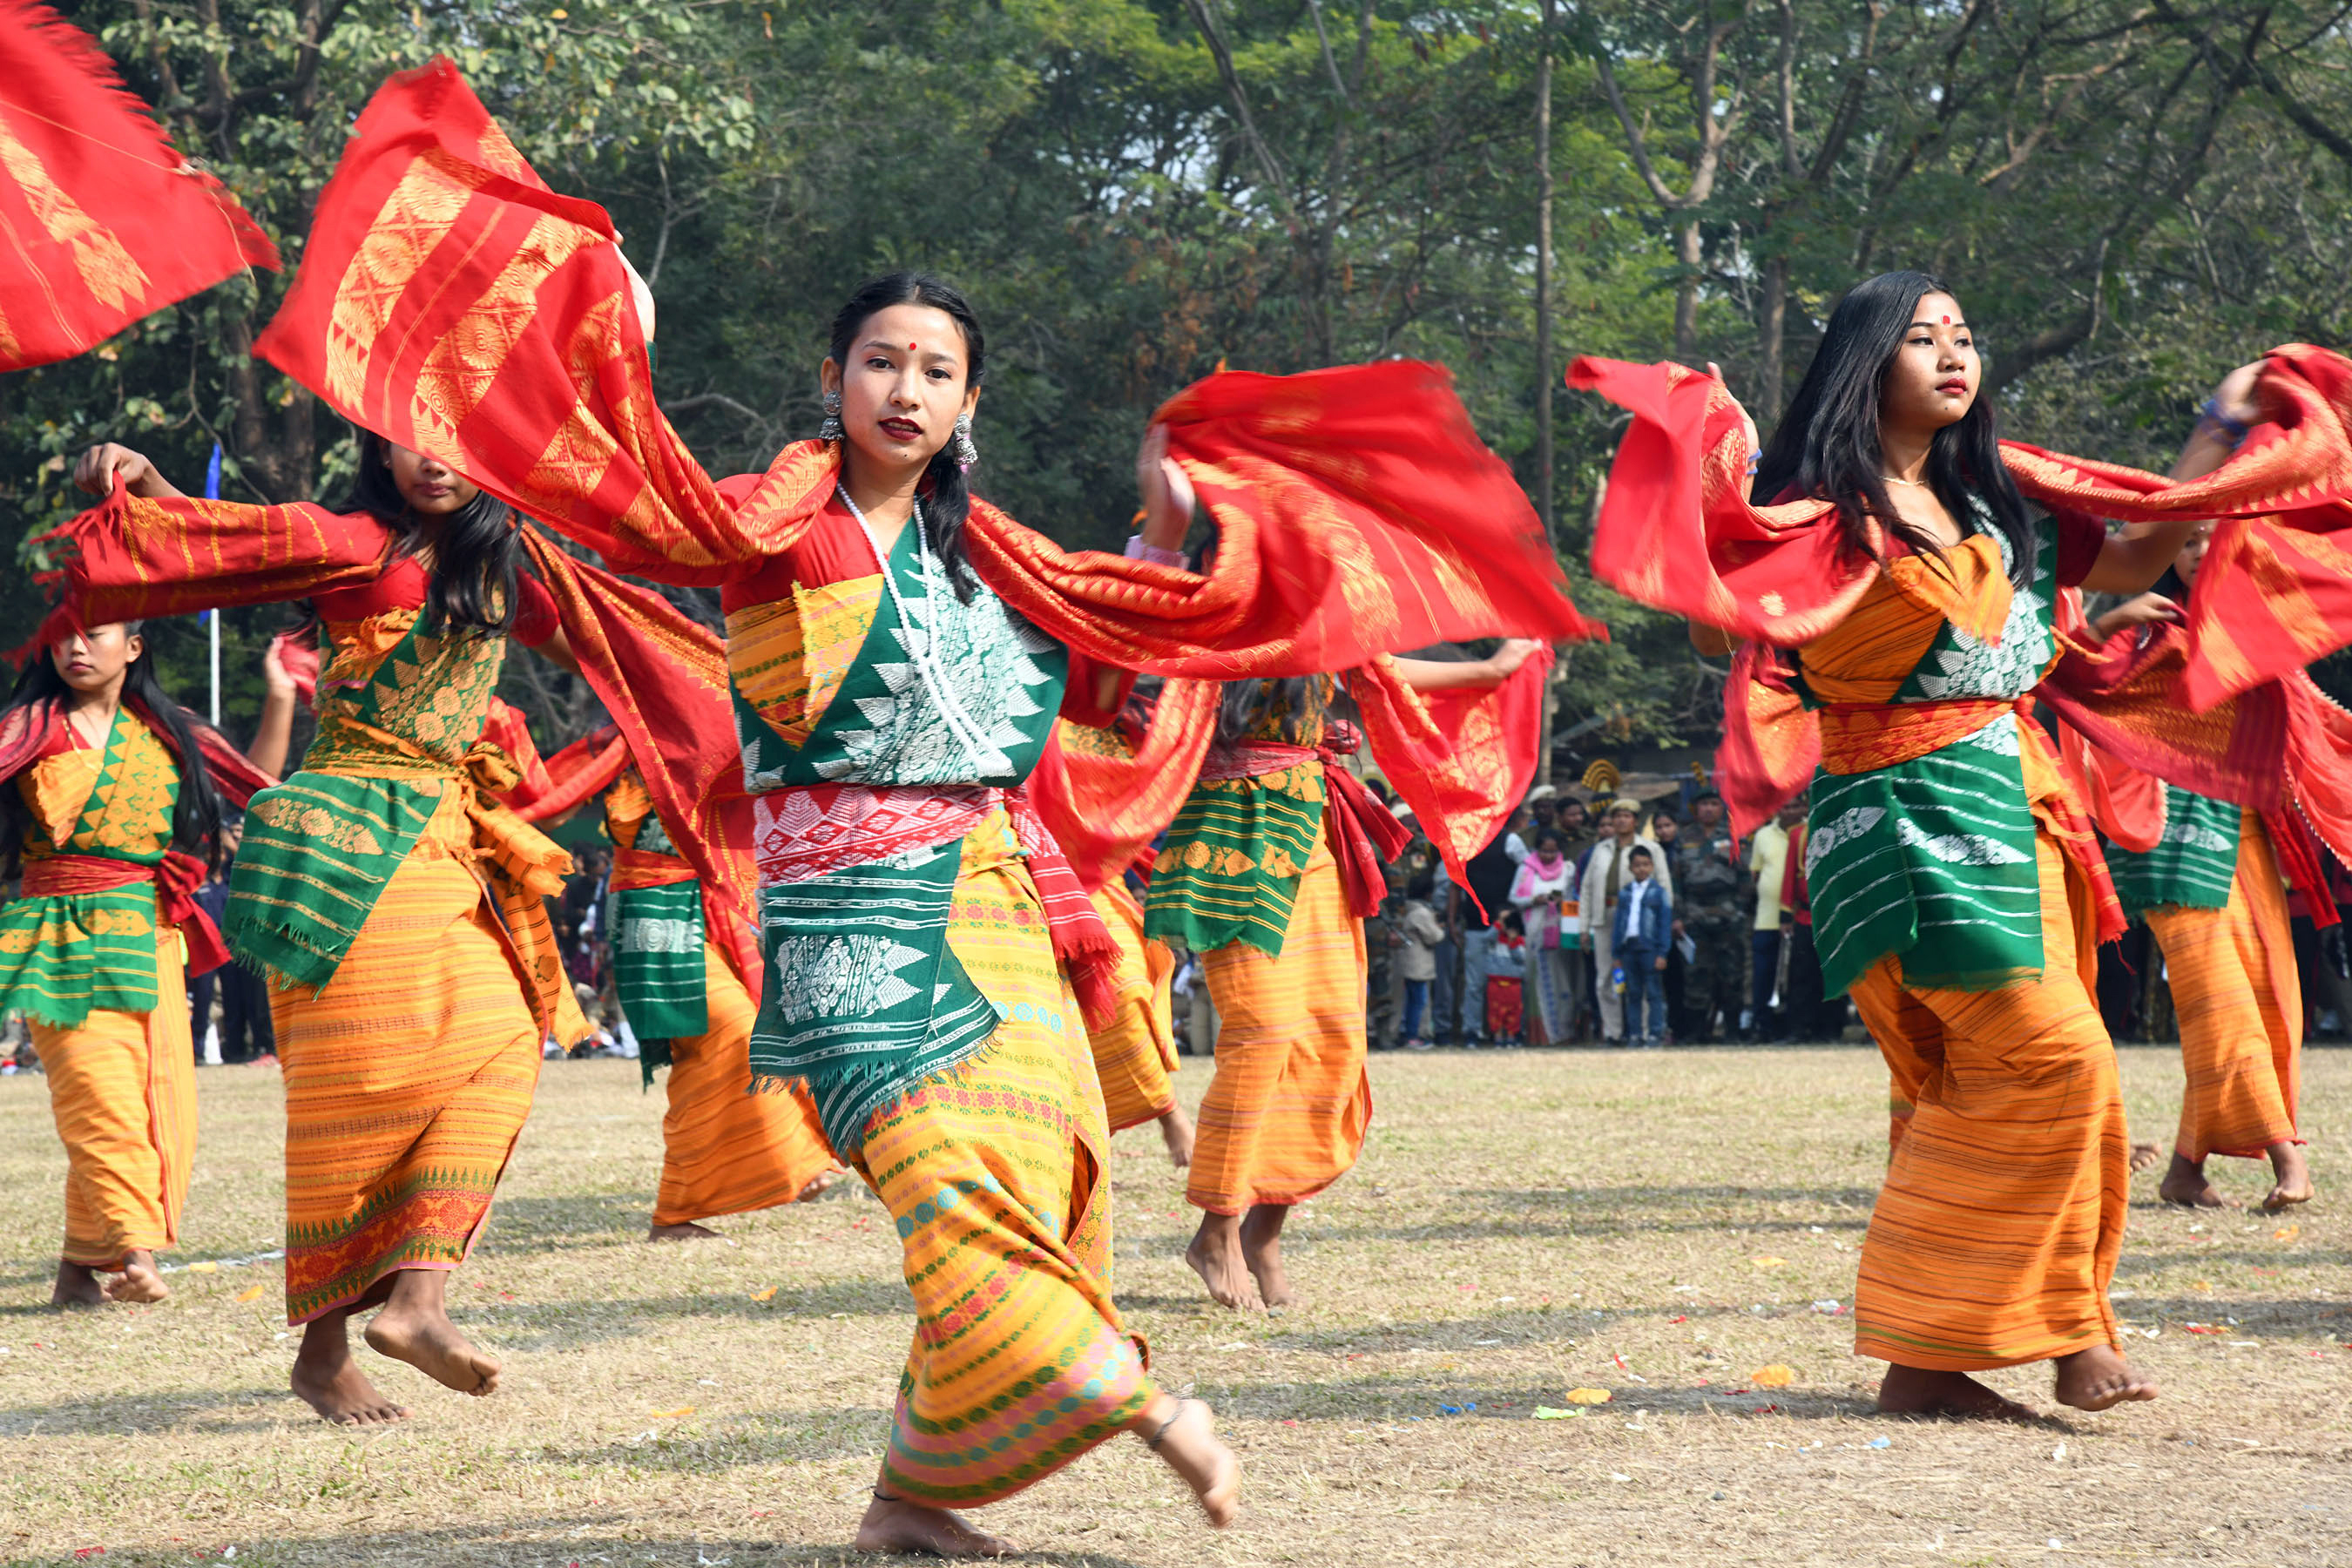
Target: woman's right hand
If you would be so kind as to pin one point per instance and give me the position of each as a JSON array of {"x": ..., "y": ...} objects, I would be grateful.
[
  {"x": 95, "y": 473},
  {"x": 2142, "y": 610}
]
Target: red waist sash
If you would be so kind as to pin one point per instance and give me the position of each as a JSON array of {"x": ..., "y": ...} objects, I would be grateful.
[
  {"x": 1363, "y": 834},
  {"x": 176, "y": 881}
]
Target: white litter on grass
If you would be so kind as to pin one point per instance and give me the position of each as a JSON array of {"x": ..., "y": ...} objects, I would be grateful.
[
  {"x": 208, "y": 1267},
  {"x": 1618, "y": 1476},
  {"x": 2059, "y": 1452},
  {"x": 1486, "y": 1342}
]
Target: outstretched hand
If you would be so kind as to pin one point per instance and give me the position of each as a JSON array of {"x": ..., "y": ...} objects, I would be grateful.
[
  {"x": 2234, "y": 398},
  {"x": 94, "y": 473},
  {"x": 1514, "y": 652}
]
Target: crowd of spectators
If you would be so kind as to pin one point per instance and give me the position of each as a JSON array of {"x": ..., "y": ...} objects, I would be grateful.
[{"x": 1618, "y": 922}]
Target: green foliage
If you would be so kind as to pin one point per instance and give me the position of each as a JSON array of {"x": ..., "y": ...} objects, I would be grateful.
[{"x": 1135, "y": 191}]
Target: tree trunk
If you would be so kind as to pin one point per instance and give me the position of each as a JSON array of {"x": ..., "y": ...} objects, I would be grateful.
[
  {"x": 1771, "y": 333},
  {"x": 1686, "y": 252},
  {"x": 1543, "y": 346}
]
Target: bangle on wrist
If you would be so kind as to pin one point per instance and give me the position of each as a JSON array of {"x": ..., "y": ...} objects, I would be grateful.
[{"x": 2212, "y": 415}]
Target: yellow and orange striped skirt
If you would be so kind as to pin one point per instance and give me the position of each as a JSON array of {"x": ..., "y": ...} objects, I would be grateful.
[
  {"x": 407, "y": 1081},
  {"x": 724, "y": 1149},
  {"x": 994, "y": 1174},
  {"x": 1286, "y": 1112},
  {"x": 1997, "y": 1232},
  {"x": 122, "y": 1087},
  {"x": 2240, "y": 1002},
  {"x": 1135, "y": 1051}
]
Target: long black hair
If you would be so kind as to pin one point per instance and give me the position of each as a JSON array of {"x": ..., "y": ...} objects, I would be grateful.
[
  {"x": 474, "y": 557},
  {"x": 1827, "y": 444},
  {"x": 195, "y": 818},
  {"x": 947, "y": 498}
]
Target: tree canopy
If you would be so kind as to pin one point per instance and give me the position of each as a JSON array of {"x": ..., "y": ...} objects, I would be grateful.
[{"x": 2130, "y": 198}]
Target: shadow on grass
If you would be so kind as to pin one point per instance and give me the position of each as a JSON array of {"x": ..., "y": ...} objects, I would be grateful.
[
  {"x": 521, "y": 1223},
  {"x": 554, "y": 1543},
  {"x": 574, "y": 1325},
  {"x": 115, "y": 1413},
  {"x": 732, "y": 1442}
]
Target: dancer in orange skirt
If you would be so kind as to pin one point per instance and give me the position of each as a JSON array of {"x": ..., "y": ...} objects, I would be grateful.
[
  {"x": 1135, "y": 1051},
  {"x": 2206, "y": 874},
  {"x": 395, "y": 902},
  {"x": 1887, "y": 574},
  {"x": 1263, "y": 876},
  {"x": 725, "y": 1149},
  {"x": 110, "y": 809}
]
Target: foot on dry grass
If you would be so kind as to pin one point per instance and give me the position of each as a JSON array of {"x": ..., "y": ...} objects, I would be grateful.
[
  {"x": 893, "y": 1524},
  {"x": 141, "y": 1283},
  {"x": 815, "y": 1187},
  {"x": 1176, "y": 1132},
  {"x": 685, "y": 1230},
  {"x": 77, "y": 1286},
  {"x": 327, "y": 1379},
  {"x": 1919, "y": 1391},
  {"x": 414, "y": 1327},
  {"x": 1215, "y": 1255},
  {"x": 2098, "y": 1377},
  {"x": 2143, "y": 1155},
  {"x": 2185, "y": 1184},
  {"x": 1183, "y": 1433},
  {"x": 1262, "y": 1250},
  {"x": 2291, "y": 1174}
]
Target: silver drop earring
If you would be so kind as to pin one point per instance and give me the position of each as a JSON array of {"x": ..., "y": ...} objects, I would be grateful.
[
  {"x": 966, "y": 453},
  {"x": 831, "y": 429}
]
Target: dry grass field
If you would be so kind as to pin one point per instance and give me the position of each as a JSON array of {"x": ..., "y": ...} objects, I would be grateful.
[{"x": 1660, "y": 1226}]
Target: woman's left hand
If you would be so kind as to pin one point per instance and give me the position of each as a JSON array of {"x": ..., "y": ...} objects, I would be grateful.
[{"x": 2234, "y": 398}]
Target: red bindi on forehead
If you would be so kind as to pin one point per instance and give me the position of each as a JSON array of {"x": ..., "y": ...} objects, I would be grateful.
[{"x": 1947, "y": 321}]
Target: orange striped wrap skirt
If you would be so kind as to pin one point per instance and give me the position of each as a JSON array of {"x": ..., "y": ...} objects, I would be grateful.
[
  {"x": 724, "y": 1149},
  {"x": 122, "y": 1087},
  {"x": 1996, "y": 1235},
  {"x": 2240, "y": 1002},
  {"x": 1286, "y": 1112},
  {"x": 994, "y": 1176},
  {"x": 407, "y": 1080},
  {"x": 1135, "y": 1051}
]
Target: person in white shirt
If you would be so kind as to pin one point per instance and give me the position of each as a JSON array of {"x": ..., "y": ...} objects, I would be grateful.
[{"x": 1605, "y": 872}]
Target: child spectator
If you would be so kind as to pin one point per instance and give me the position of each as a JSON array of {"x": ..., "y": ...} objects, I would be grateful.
[{"x": 1643, "y": 928}]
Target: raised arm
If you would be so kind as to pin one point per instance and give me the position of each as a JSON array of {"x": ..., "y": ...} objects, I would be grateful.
[
  {"x": 275, "y": 736},
  {"x": 2133, "y": 560},
  {"x": 147, "y": 550},
  {"x": 1449, "y": 675}
]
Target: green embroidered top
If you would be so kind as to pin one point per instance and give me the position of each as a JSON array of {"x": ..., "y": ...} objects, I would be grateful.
[
  {"x": 64, "y": 955},
  {"x": 1229, "y": 867},
  {"x": 2193, "y": 863},
  {"x": 1933, "y": 859}
]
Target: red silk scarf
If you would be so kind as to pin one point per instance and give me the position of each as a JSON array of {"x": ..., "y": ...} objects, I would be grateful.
[
  {"x": 104, "y": 221},
  {"x": 1677, "y": 532},
  {"x": 453, "y": 303}
]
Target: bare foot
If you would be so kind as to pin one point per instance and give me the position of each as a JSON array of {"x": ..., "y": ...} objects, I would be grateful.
[
  {"x": 2185, "y": 1183},
  {"x": 329, "y": 1382},
  {"x": 414, "y": 1327},
  {"x": 1176, "y": 1132},
  {"x": 140, "y": 1283},
  {"x": 1183, "y": 1432},
  {"x": 1262, "y": 1250},
  {"x": 685, "y": 1230},
  {"x": 2292, "y": 1174},
  {"x": 895, "y": 1524},
  {"x": 2143, "y": 1155},
  {"x": 1215, "y": 1256},
  {"x": 77, "y": 1286},
  {"x": 1918, "y": 1391},
  {"x": 2095, "y": 1378},
  {"x": 815, "y": 1186}
]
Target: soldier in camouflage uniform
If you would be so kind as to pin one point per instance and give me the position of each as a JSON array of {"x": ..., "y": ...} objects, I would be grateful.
[{"x": 1711, "y": 906}]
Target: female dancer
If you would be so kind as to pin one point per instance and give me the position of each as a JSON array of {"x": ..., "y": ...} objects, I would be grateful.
[
  {"x": 898, "y": 652},
  {"x": 394, "y": 904},
  {"x": 2209, "y": 887},
  {"x": 684, "y": 989},
  {"x": 1251, "y": 878},
  {"x": 1953, "y": 877},
  {"x": 1555, "y": 975},
  {"x": 110, "y": 809}
]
